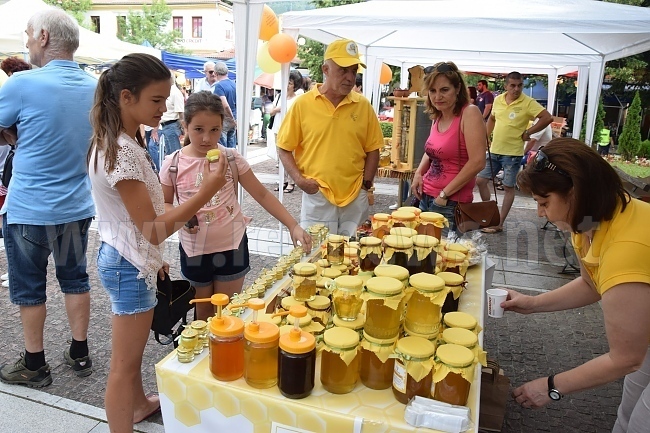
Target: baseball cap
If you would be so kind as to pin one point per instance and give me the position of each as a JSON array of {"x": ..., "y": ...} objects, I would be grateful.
[{"x": 344, "y": 53}]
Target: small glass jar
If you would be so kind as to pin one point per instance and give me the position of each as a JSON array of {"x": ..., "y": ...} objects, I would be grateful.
[
  {"x": 384, "y": 307},
  {"x": 393, "y": 271},
  {"x": 458, "y": 319},
  {"x": 352, "y": 254},
  {"x": 397, "y": 250},
  {"x": 455, "y": 285},
  {"x": 227, "y": 348},
  {"x": 335, "y": 249},
  {"x": 424, "y": 259},
  {"x": 346, "y": 297},
  {"x": 413, "y": 368},
  {"x": 324, "y": 231},
  {"x": 423, "y": 308},
  {"x": 315, "y": 233},
  {"x": 377, "y": 366},
  {"x": 187, "y": 343},
  {"x": 201, "y": 328},
  {"x": 403, "y": 231},
  {"x": 297, "y": 361},
  {"x": 339, "y": 369},
  {"x": 320, "y": 309},
  {"x": 261, "y": 289},
  {"x": 455, "y": 367},
  {"x": 465, "y": 338},
  {"x": 454, "y": 261},
  {"x": 277, "y": 272},
  {"x": 304, "y": 281},
  {"x": 431, "y": 224},
  {"x": 356, "y": 325},
  {"x": 322, "y": 285},
  {"x": 289, "y": 301},
  {"x": 403, "y": 218},
  {"x": 384, "y": 159},
  {"x": 370, "y": 253},
  {"x": 381, "y": 225}
]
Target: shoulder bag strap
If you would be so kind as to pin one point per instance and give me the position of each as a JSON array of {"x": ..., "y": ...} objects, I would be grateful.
[
  {"x": 233, "y": 169},
  {"x": 173, "y": 173}
]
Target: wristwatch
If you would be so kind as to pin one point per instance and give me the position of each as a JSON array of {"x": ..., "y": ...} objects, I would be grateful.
[
  {"x": 442, "y": 195},
  {"x": 553, "y": 393},
  {"x": 367, "y": 184}
]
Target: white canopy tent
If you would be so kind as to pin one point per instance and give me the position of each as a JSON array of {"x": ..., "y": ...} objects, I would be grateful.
[
  {"x": 556, "y": 35},
  {"x": 93, "y": 48}
]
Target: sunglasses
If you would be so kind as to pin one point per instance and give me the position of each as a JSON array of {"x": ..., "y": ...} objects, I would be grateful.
[
  {"x": 209, "y": 72},
  {"x": 441, "y": 67},
  {"x": 541, "y": 162}
]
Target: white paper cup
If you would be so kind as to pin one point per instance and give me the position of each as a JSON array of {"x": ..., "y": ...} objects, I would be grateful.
[{"x": 494, "y": 299}]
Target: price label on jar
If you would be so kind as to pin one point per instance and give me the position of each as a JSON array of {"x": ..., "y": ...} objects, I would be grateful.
[{"x": 399, "y": 377}]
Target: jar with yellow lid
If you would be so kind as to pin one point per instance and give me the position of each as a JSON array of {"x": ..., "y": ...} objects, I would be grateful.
[
  {"x": 353, "y": 244},
  {"x": 403, "y": 231},
  {"x": 260, "y": 350},
  {"x": 370, "y": 253},
  {"x": 423, "y": 307},
  {"x": 432, "y": 223},
  {"x": 381, "y": 224},
  {"x": 454, "y": 246},
  {"x": 384, "y": 158},
  {"x": 432, "y": 337},
  {"x": 331, "y": 273},
  {"x": 187, "y": 342},
  {"x": 322, "y": 286},
  {"x": 356, "y": 325},
  {"x": 322, "y": 264},
  {"x": 416, "y": 210},
  {"x": 343, "y": 268},
  {"x": 352, "y": 254},
  {"x": 384, "y": 298},
  {"x": 339, "y": 368},
  {"x": 413, "y": 368},
  {"x": 304, "y": 281},
  {"x": 393, "y": 271},
  {"x": 251, "y": 291},
  {"x": 260, "y": 289},
  {"x": 346, "y": 297},
  {"x": 455, "y": 285},
  {"x": 465, "y": 338},
  {"x": 320, "y": 309},
  {"x": 377, "y": 365},
  {"x": 458, "y": 319},
  {"x": 315, "y": 233},
  {"x": 454, "y": 373},
  {"x": 454, "y": 261},
  {"x": 297, "y": 360},
  {"x": 402, "y": 218},
  {"x": 425, "y": 255},
  {"x": 289, "y": 301},
  {"x": 324, "y": 232},
  {"x": 335, "y": 249},
  {"x": 397, "y": 250},
  {"x": 201, "y": 328}
]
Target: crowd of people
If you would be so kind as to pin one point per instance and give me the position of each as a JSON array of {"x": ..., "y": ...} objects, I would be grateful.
[{"x": 328, "y": 142}]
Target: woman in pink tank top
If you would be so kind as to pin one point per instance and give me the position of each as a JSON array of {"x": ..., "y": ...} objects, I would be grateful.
[{"x": 455, "y": 150}]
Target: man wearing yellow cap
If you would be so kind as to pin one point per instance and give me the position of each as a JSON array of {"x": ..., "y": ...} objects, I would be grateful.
[{"x": 335, "y": 137}]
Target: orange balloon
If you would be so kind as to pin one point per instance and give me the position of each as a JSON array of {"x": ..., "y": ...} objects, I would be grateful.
[
  {"x": 269, "y": 24},
  {"x": 282, "y": 48},
  {"x": 386, "y": 74}
]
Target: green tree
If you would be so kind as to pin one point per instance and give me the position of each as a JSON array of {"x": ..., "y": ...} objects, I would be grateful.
[
  {"x": 598, "y": 126},
  {"x": 150, "y": 25},
  {"x": 76, "y": 8},
  {"x": 629, "y": 143}
]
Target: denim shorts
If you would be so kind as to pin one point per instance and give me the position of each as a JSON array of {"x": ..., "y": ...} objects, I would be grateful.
[
  {"x": 28, "y": 248},
  {"x": 129, "y": 294},
  {"x": 428, "y": 204},
  {"x": 509, "y": 164},
  {"x": 229, "y": 265}
]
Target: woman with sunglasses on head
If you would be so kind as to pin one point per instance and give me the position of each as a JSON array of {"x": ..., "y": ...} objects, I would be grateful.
[
  {"x": 578, "y": 191},
  {"x": 454, "y": 153}
]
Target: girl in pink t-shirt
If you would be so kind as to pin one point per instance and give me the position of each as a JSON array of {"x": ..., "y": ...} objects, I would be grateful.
[{"x": 213, "y": 246}]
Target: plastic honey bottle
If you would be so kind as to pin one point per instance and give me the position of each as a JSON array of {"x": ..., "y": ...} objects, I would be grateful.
[
  {"x": 297, "y": 359},
  {"x": 260, "y": 350}
]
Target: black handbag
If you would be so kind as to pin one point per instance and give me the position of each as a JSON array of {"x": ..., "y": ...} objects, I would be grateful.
[
  {"x": 8, "y": 167},
  {"x": 271, "y": 120},
  {"x": 173, "y": 304}
]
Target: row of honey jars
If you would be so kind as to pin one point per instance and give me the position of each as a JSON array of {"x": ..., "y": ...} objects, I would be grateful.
[{"x": 426, "y": 223}]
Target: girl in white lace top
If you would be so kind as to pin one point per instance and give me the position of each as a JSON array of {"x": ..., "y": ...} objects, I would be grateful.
[{"x": 132, "y": 220}]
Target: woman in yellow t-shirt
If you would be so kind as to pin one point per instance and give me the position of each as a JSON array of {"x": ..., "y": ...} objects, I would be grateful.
[{"x": 580, "y": 192}]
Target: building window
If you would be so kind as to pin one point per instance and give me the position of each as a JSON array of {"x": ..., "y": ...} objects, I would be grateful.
[
  {"x": 95, "y": 20},
  {"x": 121, "y": 25},
  {"x": 197, "y": 27},
  {"x": 229, "y": 30},
  {"x": 178, "y": 24}
]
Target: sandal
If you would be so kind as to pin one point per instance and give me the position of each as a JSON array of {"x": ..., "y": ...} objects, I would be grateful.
[
  {"x": 492, "y": 230},
  {"x": 289, "y": 189},
  {"x": 277, "y": 188}
]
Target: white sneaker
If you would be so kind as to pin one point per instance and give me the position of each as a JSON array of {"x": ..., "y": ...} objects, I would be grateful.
[
  {"x": 393, "y": 206},
  {"x": 5, "y": 284},
  {"x": 4, "y": 277}
]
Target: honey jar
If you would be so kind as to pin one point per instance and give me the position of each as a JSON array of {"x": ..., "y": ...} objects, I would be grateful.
[
  {"x": 384, "y": 159},
  {"x": 187, "y": 343},
  {"x": 355, "y": 325},
  {"x": 454, "y": 373},
  {"x": 226, "y": 343},
  {"x": 352, "y": 255},
  {"x": 397, "y": 250},
  {"x": 455, "y": 285},
  {"x": 322, "y": 285},
  {"x": 339, "y": 372},
  {"x": 315, "y": 233},
  {"x": 454, "y": 261},
  {"x": 423, "y": 307},
  {"x": 335, "y": 249},
  {"x": 431, "y": 224},
  {"x": 381, "y": 225},
  {"x": 289, "y": 301},
  {"x": 297, "y": 360},
  {"x": 465, "y": 338},
  {"x": 322, "y": 264},
  {"x": 320, "y": 309},
  {"x": 331, "y": 273},
  {"x": 376, "y": 364},
  {"x": 260, "y": 350},
  {"x": 304, "y": 281},
  {"x": 425, "y": 255},
  {"x": 403, "y": 218},
  {"x": 370, "y": 253},
  {"x": 346, "y": 297},
  {"x": 403, "y": 231},
  {"x": 433, "y": 337},
  {"x": 392, "y": 271},
  {"x": 384, "y": 307},
  {"x": 201, "y": 328},
  {"x": 454, "y": 246},
  {"x": 416, "y": 210},
  {"x": 458, "y": 319},
  {"x": 413, "y": 368}
]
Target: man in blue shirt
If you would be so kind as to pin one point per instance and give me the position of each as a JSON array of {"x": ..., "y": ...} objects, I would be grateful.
[
  {"x": 226, "y": 90},
  {"x": 49, "y": 206}
]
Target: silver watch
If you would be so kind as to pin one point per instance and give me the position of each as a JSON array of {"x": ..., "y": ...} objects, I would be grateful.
[{"x": 442, "y": 194}]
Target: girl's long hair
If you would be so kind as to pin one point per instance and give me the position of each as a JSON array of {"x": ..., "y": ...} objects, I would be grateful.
[
  {"x": 133, "y": 72},
  {"x": 198, "y": 102}
]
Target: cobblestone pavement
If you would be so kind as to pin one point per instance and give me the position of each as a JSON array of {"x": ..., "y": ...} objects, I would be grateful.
[{"x": 527, "y": 347}]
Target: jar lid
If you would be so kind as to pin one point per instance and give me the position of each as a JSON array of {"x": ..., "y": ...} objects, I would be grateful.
[
  {"x": 350, "y": 252},
  {"x": 395, "y": 241},
  {"x": 336, "y": 239},
  {"x": 392, "y": 271},
  {"x": 451, "y": 278},
  {"x": 427, "y": 282},
  {"x": 261, "y": 332},
  {"x": 268, "y": 318},
  {"x": 342, "y": 268},
  {"x": 457, "y": 319},
  {"x": 403, "y": 215},
  {"x": 313, "y": 229},
  {"x": 319, "y": 302},
  {"x": 460, "y": 336},
  {"x": 303, "y": 321},
  {"x": 415, "y": 210},
  {"x": 379, "y": 340},
  {"x": 352, "y": 324},
  {"x": 226, "y": 326},
  {"x": 331, "y": 273},
  {"x": 189, "y": 333},
  {"x": 416, "y": 347},
  {"x": 432, "y": 336},
  {"x": 403, "y": 231},
  {"x": 385, "y": 286},
  {"x": 454, "y": 355},
  {"x": 321, "y": 283},
  {"x": 424, "y": 241},
  {"x": 290, "y": 301},
  {"x": 353, "y": 244},
  {"x": 297, "y": 342},
  {"x": 432, "y": 216},
  {"x": 453, "y": 256},
  {"x": 381, "y": 216},
  {"x": 457, "y": 247},
  {"x": 305, "y": 269},
  {"x": 343, "y": 338},
  {"x": 351, "y": 282},
  {"x": 323, "y": 263},
  {"x": 370, "y": 241}
]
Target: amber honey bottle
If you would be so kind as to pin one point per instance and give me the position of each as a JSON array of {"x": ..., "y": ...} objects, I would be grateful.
[
  {"x": 377, "y": 366},
  {"x": 370, "y": 253},
  {"x": 381, "y": 225},
  {"x": 423, "y": 310},
  {"x": 402, "y": 218},
  {"x": 397, "y": 250},
  {"x": 424, "y": 255},
  {"x": 455, "y": 285},
  {"x": 431, "y": 224},
  {"x": 297, "y": 359},
  {"x": 260, "y": 350},
  {"x": 455, "y": 367},
  {"x": 384, "y": 307},
  {"x": 413, "y": 368},
  {"x": 339, "y": 371}
]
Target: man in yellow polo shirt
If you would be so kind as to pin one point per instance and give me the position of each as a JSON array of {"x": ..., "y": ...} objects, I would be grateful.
[
  {"x": 511, "y": 113},
  {"x": 329, "y": 144}
]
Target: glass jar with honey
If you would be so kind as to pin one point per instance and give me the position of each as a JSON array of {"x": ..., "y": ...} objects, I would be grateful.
[
  {"x": 431, "y": 224},
  {"x": 416, "y": 210},
  {"x": 424, "y": 259},
  {"x": 260, "y": 350},
  {"x": 393, "y": 271},
  {"x": 413, "y": 368},
  {"x": 403, "y": 218},
  {"x": 370, "y": 253},
  {"x": 331, "y": 273},
  {"x": 381, "y": 225},
  {"x": 433, "y": 337},
  {"x": 355, "y": 325},
  {"x": 454, "y": 372},
  {"x": 465, "y": 338},
  {"x": 376, "y": 364},
  {"x": 335, "y": 249},
  {"x": 315, "y": 233},
  {"x": 322, "y": 285},
  {"x": 346, "y": 297},
  {"x": 226, "y": 342},
  {"x": 297, "y": 360},
  {"x": 403, "y": 231},
  {"x": 339, "y": 369},
  {"x": 454, "y": 261},
  {"x": 187, "y": 343},
  {"x": 458, "y": 319},
  {"x": 320, "y": 309},
  {"x": 397, "y": 250},
  {"x": 201, "y": 328},
  {"x": 384, "y": 159},
  {"x": 455, "y": 285},
  {"x": 384, "y": 307},
  {"x": 423, "y": 307},
  {"x": 352, "y": 255},
  {"x": 289, "y": 301},
  {"x": 304, "y": 281}
]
